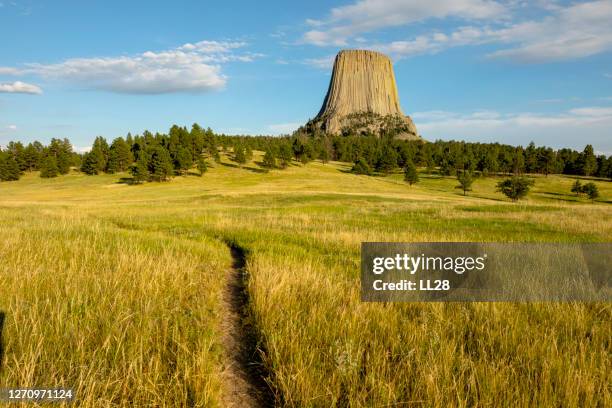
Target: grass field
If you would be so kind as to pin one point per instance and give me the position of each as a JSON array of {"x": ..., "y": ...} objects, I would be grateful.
[{"x": 115, "y": 290}]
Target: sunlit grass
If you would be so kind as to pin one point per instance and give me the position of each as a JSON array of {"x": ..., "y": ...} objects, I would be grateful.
[{"x": 114, "y": 290}]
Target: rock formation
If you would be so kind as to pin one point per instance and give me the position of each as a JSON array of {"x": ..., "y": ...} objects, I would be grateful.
[{"x": 362, "y": 98}]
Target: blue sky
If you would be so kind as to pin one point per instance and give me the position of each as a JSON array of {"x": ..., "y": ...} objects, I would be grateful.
[{"x": 480, "y": 70}]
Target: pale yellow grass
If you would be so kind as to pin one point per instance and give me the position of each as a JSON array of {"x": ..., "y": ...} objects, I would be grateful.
[{"x": 123, "y": 289}]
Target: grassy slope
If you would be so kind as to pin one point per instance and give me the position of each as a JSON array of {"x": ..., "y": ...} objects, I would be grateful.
[{"x": 137, "y": 272}]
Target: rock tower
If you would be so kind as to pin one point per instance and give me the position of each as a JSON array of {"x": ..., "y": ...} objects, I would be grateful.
[{"x": 362, "y": 98}]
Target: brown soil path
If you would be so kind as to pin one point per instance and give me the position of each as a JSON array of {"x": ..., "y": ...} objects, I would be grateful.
[{"x": 244, "y": 376}]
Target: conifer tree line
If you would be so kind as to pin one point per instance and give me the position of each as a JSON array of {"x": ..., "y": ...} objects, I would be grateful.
[
  {"x": 371, "y": 154},
  {"x": 159, "y": 156},
  {"x": 55, "y": 159},
  {"x": 149, "y": 157}
]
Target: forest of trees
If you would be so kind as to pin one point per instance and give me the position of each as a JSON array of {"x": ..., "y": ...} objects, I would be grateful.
[{"x": 157, "y": 157}]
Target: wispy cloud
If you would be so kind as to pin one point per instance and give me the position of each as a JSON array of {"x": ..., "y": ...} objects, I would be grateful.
[
  {"x": 570, "y": 32},
  {"x": 321, "y": 63},
  {"x": 82, "y": 149},
  {"x": 577, "y": 31},
  {"x": 12, "y": 127},
  {"x": 283, "y": 128},
  {"x": 20, "y": 87},
  {"x": 366, "y": 16},
  {"x": 189, "y": 68}
]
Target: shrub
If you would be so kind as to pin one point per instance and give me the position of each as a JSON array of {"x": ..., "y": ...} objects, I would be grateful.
[
  {"x": 591, "y": 190},
  {"x": 516, "y": 187},
  {"x": 361, "y": 167},
  {"x": 410, "y": 173}
]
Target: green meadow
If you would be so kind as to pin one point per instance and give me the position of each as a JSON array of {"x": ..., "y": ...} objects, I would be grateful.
[{"x": 116, "y": 290}]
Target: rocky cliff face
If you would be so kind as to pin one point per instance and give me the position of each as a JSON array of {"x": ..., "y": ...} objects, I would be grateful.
[{"x": 362, "y": 98}]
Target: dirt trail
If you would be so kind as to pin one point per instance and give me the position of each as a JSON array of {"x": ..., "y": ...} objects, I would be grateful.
[{"x": 243, "y": 374}]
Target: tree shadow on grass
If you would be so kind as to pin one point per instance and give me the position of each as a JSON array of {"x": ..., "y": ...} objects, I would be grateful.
[
  {"x": 126, "y": 180},
  {"x": 253, "y": 169},
  {"x": 2, "y": 316},
  {"x": 192, "y": 174},
  {"x": 232, "y": 165},
  {"x": 559, "y": 194}
]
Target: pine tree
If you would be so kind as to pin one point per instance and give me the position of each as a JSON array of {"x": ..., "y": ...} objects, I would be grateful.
[
  {"x": 90, "y": 164},
  {"x": 239, "y": 154},
  {"x": 518, "y": 161},
  {"x": 488, "y": 163},
  {"x": 324, "y": 154},
  {"x": 214, "y": 153},
  {"x": 546, "y": 161},
  {"x": 587, "y": 161},
  {"x": 577, "y": 188},
  {"x": 307, "y": 154},
  {"x": 361, "y": 167},
  {"x": 9, "y": 168},
  {"x": 298, "y": 148},
  {"x": 101, "y": 150},
  {"x": 248, "y": 153},
  {"x": 64, "y": 157},
  {"x": 515, "y": 188},
  {"x": 269, "y": 159},
  {"x": 202, "y": 167},
  {"x": 411, "y": 176},
  {"x": 17, "y": 152},
  {"x": 531, "y": 158},
  {"x": 285, "y": 154},
  {"x": 160, "y": 165},
  {"x": 120, "y": 156},
  {"x": 446, "y": 167},
  {"x": 197, "y": 140},
  {"x": 465, "y": 181},
  {"x": 61, "y": 150},
  {"x": 140, "y": 170},
  {"x": 112, "y": 165},
  {"x": 387, "y": 160},
  {"x": 48, "y": 167},
  {"x": 183, "y": 160},
  {"x": 31, "y": 157},
  {"x": 3, "y": 170},
  {"x": 591, "y": 190}
]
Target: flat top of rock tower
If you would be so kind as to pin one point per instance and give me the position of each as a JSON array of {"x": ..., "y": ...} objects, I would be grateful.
[{"x": 361, "y": 52}]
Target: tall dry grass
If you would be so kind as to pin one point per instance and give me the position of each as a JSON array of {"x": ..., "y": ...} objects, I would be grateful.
[
  {"x": 115, "y": 290},
  {"x": 123, "y": 318}
]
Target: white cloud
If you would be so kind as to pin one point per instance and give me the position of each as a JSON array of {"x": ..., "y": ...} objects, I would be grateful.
[
  {"x": 574, "y": 32},
  {"x": 8, "y": 71},
  {"x": 283, "y": 128},
  {"x": 436, "y": 42},
  {"x": 20, "y": 87},
  {"x": 12, "y": 127},
  {"x": 322, "y": 63},
  {"x": 592, "y": 111},
  {"x": 571, "y": 32},
  {"x": 188, "y": 68},
  {"x": 370, "y": 15},
  {"x": 573, "y": 128},
  {"x": 82, "y": 149}
]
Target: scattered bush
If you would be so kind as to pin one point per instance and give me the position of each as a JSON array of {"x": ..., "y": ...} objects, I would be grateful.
[
  {"x": 361, "y": 167},
  {"x": 515, "y": 188},
  {"x": 411, "y": 176}
]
